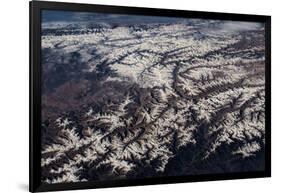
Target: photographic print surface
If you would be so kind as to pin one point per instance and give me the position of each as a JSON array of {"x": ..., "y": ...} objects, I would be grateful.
[{"x": 130, "y": 97}]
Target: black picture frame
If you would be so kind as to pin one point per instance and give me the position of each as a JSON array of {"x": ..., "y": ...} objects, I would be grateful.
[{"x": 35, "y": 94}]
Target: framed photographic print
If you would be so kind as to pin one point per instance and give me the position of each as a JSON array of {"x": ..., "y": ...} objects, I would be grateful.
[{"x": 124, "y": 96}]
